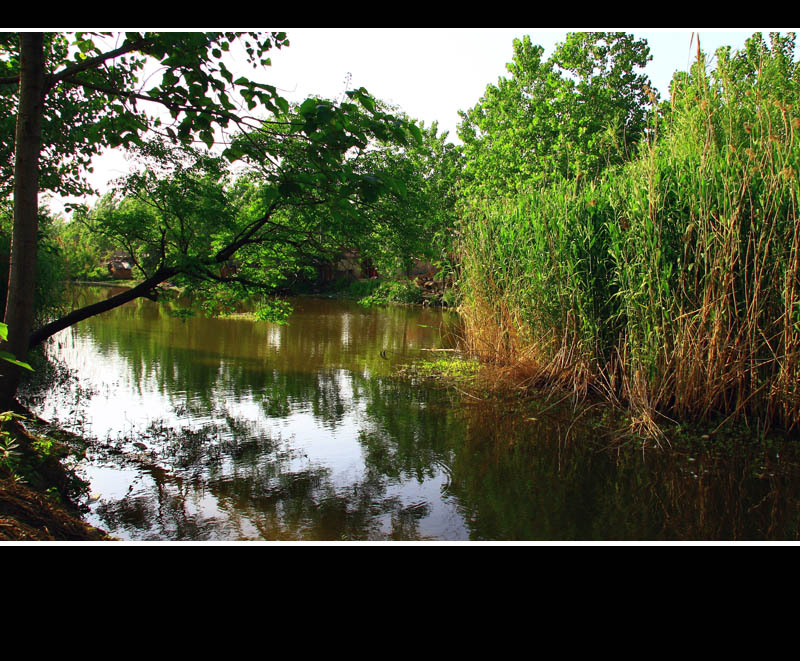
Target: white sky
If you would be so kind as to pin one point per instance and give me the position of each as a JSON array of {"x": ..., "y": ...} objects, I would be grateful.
[{"x": 432, "y": 73}]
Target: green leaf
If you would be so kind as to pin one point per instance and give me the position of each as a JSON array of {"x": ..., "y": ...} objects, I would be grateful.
[
  {"x": 415, "y": 132},
  {"x": 367, "y": 101},
  {"x": 308, "y": 107},
  {"x": 9, "y": 358},
  {"x": 289, "y": 188},
  {"x": 274, "y": 312}
]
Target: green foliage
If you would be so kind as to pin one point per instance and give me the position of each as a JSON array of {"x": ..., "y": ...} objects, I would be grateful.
[
  {"x": 9, "y": 450},
  {"x": 423, "y": 207},
  {"x": 360, "y": 289},
  {"x": 393, "y": 292},
  {"x": 171, "y": 212},
  {"x": 84, "y": 249},
  {"x": 568, "y": 117},
  {"x": 274, "y": 312},
  {"x": 322, "y": 176},
  {"x": 671, "y": 281},
  {"x": 7, "y": 357},
  {"x": 375, "y": 180},
  {"x": 91, "y": 106},
  {"x": 51, "y": 267}
]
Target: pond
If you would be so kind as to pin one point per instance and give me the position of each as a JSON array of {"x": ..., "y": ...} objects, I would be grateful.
[{"x": 231, "y": 430}]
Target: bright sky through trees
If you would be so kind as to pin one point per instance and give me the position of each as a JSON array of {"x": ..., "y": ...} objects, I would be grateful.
[{"x": 433, "y": 73}]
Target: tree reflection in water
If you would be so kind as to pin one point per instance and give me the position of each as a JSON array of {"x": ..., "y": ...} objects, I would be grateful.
[{"x": 230, "y": 430}]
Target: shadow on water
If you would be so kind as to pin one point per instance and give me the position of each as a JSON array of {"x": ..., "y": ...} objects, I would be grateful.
[
  {"x": 232, "y": 430},
  {"x": 576, "y": 487}
]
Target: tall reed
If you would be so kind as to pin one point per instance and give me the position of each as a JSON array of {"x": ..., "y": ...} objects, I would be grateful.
[{"x": 672, "y": 283}]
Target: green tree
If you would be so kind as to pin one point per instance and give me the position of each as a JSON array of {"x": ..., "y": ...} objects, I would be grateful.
[
  {"x": 183, "y": 215},
  {"x": 507, "y": 135},
  {"x": 51, "y": 266},
  {"x": 202, "y": 98},
  {"x": 84, "y": 251},
  {"x": 77, "y": 121},
  {"x": 415, "y": 218},
  {"x": 566, "y": 117}
]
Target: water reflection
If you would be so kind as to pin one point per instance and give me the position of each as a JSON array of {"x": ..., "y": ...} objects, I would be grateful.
[
  {"x": 230, "y": 430},
  {"x": 236, "y": 430},
  {"x": 236, "y": 479}
]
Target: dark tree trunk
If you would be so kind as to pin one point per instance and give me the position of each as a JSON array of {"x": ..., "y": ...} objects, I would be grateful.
[{"x": 19, "y": 310}]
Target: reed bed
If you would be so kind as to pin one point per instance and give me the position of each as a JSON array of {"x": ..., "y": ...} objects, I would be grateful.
[{"x": 670, "y": 284}]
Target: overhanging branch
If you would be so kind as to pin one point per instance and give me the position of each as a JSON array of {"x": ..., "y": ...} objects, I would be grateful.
[
  {"x": 144, "y": 290},
  {"x": 86, "y": 65}
]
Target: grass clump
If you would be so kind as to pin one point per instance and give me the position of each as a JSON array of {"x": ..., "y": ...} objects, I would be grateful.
[{"x": 450, "y": 370}]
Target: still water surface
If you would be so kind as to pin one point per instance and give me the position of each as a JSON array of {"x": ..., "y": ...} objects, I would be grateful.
[{"x": 229, "y": 430}]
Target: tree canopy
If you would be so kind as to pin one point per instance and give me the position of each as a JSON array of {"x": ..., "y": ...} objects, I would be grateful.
[
  {"x": 75, "y": 94},
  {"x": 565, "y": 117},
  {"x": 185, "y": 215}
]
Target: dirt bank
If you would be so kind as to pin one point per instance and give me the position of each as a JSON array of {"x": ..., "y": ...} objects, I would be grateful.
[
  {"x": 28, "y": 516},
  {"x": 37, "y": 491}
]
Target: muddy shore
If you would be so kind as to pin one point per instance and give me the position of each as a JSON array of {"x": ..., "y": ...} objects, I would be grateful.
[{"x": 36, "y": 498}]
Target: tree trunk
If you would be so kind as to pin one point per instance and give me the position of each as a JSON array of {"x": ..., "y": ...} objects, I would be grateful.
[
  {"x": 19, "y": 311},
  {"x": 144, "y": 290}
]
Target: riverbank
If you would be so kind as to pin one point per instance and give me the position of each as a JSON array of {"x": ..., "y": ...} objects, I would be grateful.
[
  {"x": 426, "y": 291},
  {"x": 526, "y": 396},
  {"x": 38, "y": 493}
]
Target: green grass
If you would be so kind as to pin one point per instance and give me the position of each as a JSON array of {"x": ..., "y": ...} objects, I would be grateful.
[
  {"x": 451, "y": 370},
  {"x": 389, "y": 292}
]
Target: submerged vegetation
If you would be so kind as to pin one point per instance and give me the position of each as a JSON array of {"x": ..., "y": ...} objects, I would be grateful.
[{"x": 454, "y": 370}]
